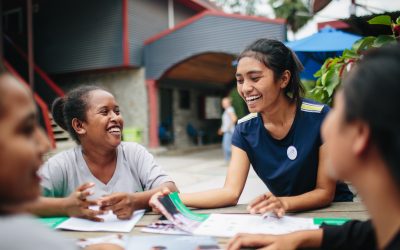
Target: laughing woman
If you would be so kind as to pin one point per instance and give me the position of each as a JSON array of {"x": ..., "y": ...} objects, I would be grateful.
[
  {"x": 101, "y": 170},
  {"x": 280, "y": 138}
]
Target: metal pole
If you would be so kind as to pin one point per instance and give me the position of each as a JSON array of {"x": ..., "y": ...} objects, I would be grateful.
[
  {"x": 29, "y": 26},
  {"x": 171, "y": 15},
  {"x": 353, "y": 10}
]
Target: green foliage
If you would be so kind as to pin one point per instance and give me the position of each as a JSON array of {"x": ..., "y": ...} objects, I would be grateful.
[
  {"x": 383, "y": 19},
  {"x": 330, "y": 75},
  {"x": 247, "y": 7},
  {"x": 291, "y": 10},
  {"x": 238, "y": 103}
]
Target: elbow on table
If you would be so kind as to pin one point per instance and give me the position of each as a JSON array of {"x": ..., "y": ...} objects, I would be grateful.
[
  {"x": 327, "y": 198},
  {"x": 232, "y": 199}
]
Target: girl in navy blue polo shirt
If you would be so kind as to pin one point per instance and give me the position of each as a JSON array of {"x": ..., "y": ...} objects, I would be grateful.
[{"x": 280, "y": 138}]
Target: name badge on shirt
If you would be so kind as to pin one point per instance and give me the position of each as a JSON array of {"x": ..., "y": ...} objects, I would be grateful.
[{"x": 292, "y": 153}]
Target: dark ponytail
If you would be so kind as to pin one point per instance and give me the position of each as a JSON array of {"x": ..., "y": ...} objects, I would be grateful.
[
  {"x": 73, "y": 105},
  {"x": 57, "y": 110},
  {"x": 277, "y": 57},
  {"x": 371, "y": 93}
]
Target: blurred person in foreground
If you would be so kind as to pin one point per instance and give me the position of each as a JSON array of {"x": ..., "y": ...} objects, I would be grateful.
[{"x": 22, "y": 145}]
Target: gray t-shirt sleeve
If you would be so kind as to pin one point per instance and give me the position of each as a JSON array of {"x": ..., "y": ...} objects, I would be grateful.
[
  {"x": 25, "y": 232},
  {"x": 53, "y": 177},
  {"x": 150, "y": 173}
]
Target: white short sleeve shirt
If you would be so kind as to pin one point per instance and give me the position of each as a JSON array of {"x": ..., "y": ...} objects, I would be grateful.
[{"x": 136, "y": 171}]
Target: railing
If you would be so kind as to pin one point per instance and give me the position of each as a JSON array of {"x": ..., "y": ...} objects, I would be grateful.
[
  {"x": 37, "y": 69},
  {"x": 39, "y": 101}
]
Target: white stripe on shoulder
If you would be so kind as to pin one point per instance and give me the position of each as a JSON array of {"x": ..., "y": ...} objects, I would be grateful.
[
  {"x": 248, "y": 117},
  {"x": 312, "y": 107}
]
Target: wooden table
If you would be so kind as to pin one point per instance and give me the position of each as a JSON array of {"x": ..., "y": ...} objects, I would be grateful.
[{"x": 351, "y": 210}]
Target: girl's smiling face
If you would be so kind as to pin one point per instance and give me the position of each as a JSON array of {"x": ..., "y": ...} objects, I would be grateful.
[
  {"x": 257, "y": 85},
  {"x": 104, "y": 123}
]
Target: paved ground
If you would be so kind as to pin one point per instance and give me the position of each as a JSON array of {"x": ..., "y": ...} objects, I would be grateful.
[{"x": 205, "y": 170}]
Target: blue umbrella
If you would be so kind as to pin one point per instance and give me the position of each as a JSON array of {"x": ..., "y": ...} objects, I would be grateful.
[{"x": 313, "y": 50}]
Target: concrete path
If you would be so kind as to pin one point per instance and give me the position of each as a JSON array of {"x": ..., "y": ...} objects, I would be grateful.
[{"x": 206, "y": 170}]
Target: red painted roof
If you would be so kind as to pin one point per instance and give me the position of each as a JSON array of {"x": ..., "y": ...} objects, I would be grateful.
[
  {"x": 199, "y": 5},
  {"x": 212, "y": 13},
  {"x": 339, "y": 25}
]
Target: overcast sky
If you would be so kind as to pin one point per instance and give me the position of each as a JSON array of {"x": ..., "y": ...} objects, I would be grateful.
[{"x": 338, "y": 9}]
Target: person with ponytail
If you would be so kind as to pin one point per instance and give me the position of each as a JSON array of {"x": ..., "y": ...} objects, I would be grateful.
[
  {"x": 101, "y": 170},
  {"x": 280, "y": 138},
  {"x": 362, "y": 134}
]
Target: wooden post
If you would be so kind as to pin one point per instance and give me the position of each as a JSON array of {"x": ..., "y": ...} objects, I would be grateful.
[
  {"x": 125, "y": 33},
  {"x": 152, "y": 92}
]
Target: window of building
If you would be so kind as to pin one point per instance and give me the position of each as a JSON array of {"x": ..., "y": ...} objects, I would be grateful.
[{"x": 184, "y": 99}]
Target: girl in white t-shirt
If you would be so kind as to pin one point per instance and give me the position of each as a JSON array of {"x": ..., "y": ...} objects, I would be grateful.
[{"x": 101, "y": 170}]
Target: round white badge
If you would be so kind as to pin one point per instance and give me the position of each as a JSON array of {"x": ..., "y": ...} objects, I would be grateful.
[{"x": 292, "y": 152}]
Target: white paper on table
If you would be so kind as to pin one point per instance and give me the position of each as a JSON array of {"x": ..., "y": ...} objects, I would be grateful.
[
  {"x": 228, "y": 225},
  {"x": 110, "y": 224}
]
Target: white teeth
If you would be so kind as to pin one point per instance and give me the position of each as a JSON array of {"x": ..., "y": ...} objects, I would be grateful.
[
  {"x": 252, "y": 98},
  {"x": 114, "y": 130}
]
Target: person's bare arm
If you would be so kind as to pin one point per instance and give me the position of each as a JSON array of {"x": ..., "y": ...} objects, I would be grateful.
[
  {"x": 229, "y": 194},
  {"x": 301, "y": 239},
  {"x": 124, "y": 204},
  {"x": 321, "y": 196},
  {"x": 104, "y": 246},
  {"x": 233, "y": 117},
  {"x": 74, "y": 205}
]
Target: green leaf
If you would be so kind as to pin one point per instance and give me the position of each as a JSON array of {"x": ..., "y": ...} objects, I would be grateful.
[
  {"x": 349, "y": 54},
  {"x": 332, "y": 80},
  {"x": 382, "y": 40},
  {"x": 384, "y": 20},
  {"x": 324, "y": 66},
  {"x": 398, "y": 20},
  {"x": 318, "y": 82},
  {"x": 323, "y": 79},
  {"x": 363, "y": 43},
  {"x": 318, "y": 73},
  {"x": 357, "y": 44}
]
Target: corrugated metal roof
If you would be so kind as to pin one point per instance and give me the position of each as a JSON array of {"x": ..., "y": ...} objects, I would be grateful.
[
  {"x": 146, "y": 18},
  {"x": 73, "y": 36},
  {"x": 210, "y": 33}
]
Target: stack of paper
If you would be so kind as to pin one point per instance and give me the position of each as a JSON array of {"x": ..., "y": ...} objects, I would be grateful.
[
  {"x": 221, "y": 225},
  {"x": 110, "y": 224}
]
